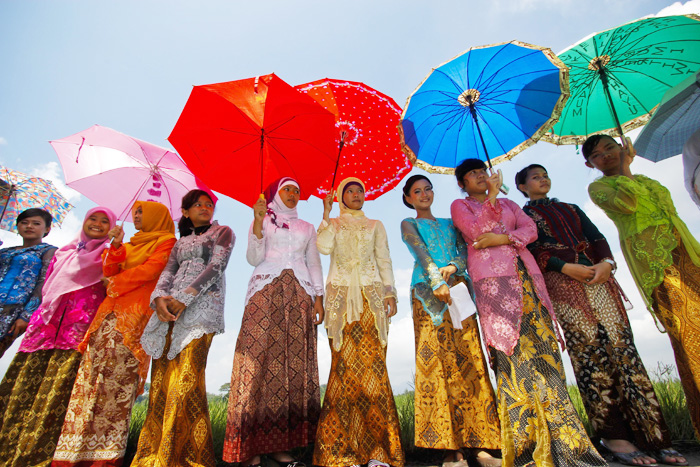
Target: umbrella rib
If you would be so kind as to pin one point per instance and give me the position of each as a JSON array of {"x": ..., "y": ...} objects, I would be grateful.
[
  {"x": 452, "y": 81},
  {"x": 491, "y": 82},
  {"x": 487, "y": 64},
  {"x": 614, "y": 78}
]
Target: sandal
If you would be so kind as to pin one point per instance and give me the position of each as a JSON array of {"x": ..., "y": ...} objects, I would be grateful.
[
  {"x": 662, "y": 454},
  {"x": 626, "y": 458}
]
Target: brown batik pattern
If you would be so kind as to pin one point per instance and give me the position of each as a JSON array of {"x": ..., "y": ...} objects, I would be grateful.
[
  {"x": 615, "y": 388},
  {"x": 97, "y": 421},
  {"x": 359, "y": 421},
  {"x": 455, "y": 406},
  {"x": 677, "y": 305},
  {"x": 177, "y": 429},
  {"x": 539, "y": 423},
  {"x": 34, "y": 396},
  {"x": 274, "y": 401}
]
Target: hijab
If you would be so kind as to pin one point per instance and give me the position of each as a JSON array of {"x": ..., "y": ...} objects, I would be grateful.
[
  {"x": 276, "y": 208},
  {"x": 157, "y": 227},
  {"x": 76, "y": 266},
  {"x": 342, "y": 187}
]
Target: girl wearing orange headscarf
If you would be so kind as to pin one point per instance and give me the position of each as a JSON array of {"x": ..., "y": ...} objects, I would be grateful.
[{"x": 114, "y": 365}]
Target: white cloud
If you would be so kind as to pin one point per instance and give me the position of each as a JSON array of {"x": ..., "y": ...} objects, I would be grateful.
[
  {"x": 51, "y": 171},
  {"x": 3, "y": 141},
  {"x": 678, "y": 8}
]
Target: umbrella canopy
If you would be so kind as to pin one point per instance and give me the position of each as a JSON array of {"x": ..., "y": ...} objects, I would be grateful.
[
  {"x": 239, "y": 136},
  {"x": 114, "y": 170},
  {"x": 19, "y": 192},
  {"x": 367, "y": 136},
  {"x": 618, "y": 76},
  {"x": 675, "y": 120},
  {"x": 490, "y": 102}
]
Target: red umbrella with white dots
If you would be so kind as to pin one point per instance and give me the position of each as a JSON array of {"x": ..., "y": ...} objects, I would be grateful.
[{"x": 369, "y": 145}]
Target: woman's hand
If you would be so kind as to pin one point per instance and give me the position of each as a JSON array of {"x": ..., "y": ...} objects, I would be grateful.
[
  {"x": 601, "y": 272},
  {"x": 162, "y": 309},
  {"x": 578, "y": 272},
  {"x": 328, "y": 205},
  {"x": 18, "y": 328},
  {"x": 259, "y": 211},
  {"x": 443, "y": 294},
  {"x": 489, "y": 239},
  {"x": 627, "y": 154},
  {"x": 318, "y": 310},
  {"x": 390, "y": 306},
  {"x": 447, "y": 271},
  {"x": 494, "y": 183},
  {"x": 176, "y": 307},
  {"x": 117, "y": 236}
]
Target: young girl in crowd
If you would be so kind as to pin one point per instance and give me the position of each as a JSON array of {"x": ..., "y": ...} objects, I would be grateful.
[
  {"x": 40, "y": 378},
  {"x": 189, "y": 309},
  {"x": 455, "y": 407},
  {"x": 663, "y": 256},
  {"x": 114, "y": 365},
  {"x": 538, "y": 422},
  {"x": 577, "y": 265},
  {"x": 274, "y": 401},
  {"x": 359, "y": 423},
  {"x": 22, "y": 272}
]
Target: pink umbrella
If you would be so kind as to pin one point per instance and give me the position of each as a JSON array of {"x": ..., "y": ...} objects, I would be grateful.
[{"x": 114, "y": 170}]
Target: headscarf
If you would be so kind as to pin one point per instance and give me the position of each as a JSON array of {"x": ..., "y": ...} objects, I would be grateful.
[
  {"x": 157, "y": 227},
  {"x": 276, "y": 208},
  {"x": 345, "y": 184},
  {"x": 76, "y": 266}
]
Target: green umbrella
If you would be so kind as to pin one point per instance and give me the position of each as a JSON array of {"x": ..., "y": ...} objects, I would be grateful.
[{"x": 619, "y": 76}]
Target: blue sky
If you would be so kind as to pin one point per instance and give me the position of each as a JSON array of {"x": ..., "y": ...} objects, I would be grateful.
[{"x": 130, "y": 65}]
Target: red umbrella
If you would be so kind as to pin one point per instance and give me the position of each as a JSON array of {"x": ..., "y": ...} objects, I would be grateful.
[
  {"x": 367, "y": 135},
  {"x": 239, "y": 136}
]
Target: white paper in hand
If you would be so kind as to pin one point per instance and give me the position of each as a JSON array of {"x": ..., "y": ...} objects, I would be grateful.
[{"x": 462, "y": 304}]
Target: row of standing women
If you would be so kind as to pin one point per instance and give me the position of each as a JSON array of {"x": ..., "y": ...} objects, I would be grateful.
[{"x": 67, "y": 397}]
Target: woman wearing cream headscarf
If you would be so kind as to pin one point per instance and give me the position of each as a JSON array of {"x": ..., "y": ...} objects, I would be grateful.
[
  {"x": 359, "y": 423},
  {"x": 274, "y": 401},
  {"x": 114, "y": 365}
]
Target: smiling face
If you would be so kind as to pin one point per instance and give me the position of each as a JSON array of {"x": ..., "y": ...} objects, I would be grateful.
[
  {"x": 137, "y": 215},
  {"x": 96, "y": 225},
  {"x": 605, "y": 156},
  {"x": 537, "y": 183},
  {"x": 290, "y": 195},
  {"x": 201, "y": 212},
  {"x": 32, "y": 229},
  {"x": 474, "y": 182},
  {"x": 421, "y": 195},
  {"x": 354, "y": 197}
]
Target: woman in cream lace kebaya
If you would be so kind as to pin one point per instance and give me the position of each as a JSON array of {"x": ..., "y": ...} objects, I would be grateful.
[
  {"x": 358, "y": 423},
  {"x": 189, "y": 309},
  {"x": 274, "y": 401}
]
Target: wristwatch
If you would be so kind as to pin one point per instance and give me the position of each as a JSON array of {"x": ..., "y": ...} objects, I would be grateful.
[{"x": 612, "y": 263}]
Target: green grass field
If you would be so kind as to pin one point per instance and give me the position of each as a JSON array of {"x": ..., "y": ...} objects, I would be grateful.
[{"x": 668, "y": 390}]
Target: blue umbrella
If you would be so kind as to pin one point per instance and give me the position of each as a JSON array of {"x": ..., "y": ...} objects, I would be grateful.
[
  {"x": 490, "y": 102},
  {"x": 673, "y": 122}
]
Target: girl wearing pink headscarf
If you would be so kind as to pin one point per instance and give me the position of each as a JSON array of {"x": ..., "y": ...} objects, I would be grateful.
[{"x": 40, "y": 379}]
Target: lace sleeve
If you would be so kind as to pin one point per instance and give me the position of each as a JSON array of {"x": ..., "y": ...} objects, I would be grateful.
[
  {"x": 383, "y": 259},
  {"x": 255, "y": 253},
  {"x": 419, "y": 250},
  {"x": 113, "y": 259},
  {"x": 325, "y": 240},
  {"x": 460, "y": 258},
  {"x": 313, "y": 263},
  {"x": 35, "y": 298},
  {"x": 472, "y": 225},
  {"x": 133, "y": 278},
  {"x": 525, "y": 230},
  {"x": 165, "y": 281},
  {"x": 221, "y": 251},
  {"x": 618, "y": 194}
]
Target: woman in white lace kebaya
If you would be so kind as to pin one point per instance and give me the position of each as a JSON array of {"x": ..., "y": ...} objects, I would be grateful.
[
  {"x": 274, "y": 401},
  {"x": 189, "y": 305},
  {"x": 359, "y": 423}
]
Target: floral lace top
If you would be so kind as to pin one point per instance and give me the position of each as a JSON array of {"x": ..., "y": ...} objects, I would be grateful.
[
  {"x": 196, "y": 261},
  {"x": 360, "y": 265},
  {"x": 434, "y": 244},
  {"x": 497, "y": 284},
  {"x": 22, "y": 274},
  {"x": 68, "y": 324},
  {"x": 279, "y": 249},
  {"x": 647, "y": 222}
]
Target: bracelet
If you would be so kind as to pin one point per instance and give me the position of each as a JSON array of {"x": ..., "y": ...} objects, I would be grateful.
[{"x": 612, "y": 263}]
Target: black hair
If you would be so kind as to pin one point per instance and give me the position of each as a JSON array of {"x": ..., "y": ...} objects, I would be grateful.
[
  {"x": 521, "y": 177},
  {"x": 409, "y": 184},
  {"x": 185, "y": 225},
  {"x": 466, "y": 166},
  {"x": 590, "y": 144},
  {"x": 36, "y": 212}
]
